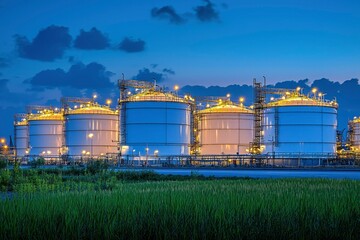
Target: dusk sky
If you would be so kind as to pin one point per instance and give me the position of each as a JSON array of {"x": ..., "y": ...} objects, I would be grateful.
[{"x": 50, "y": 49}]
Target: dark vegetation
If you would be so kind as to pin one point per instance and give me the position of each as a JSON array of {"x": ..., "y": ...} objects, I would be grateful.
[{"x": 98, "y": 203}]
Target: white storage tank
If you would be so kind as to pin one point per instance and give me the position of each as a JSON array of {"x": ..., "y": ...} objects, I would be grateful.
[
  {"x": 91, "y": 130},
  {"x": 46, "y": 133},
  {"x": 300, "y": 125},
  {"x": 21, "y": 128},
  {"x": 156, "y": 123},
  {"x": 226, "y": 128},
  {"x": 354, "y": 131}
]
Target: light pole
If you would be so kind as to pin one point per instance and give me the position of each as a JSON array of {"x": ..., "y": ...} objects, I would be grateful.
[
  {"x": 91, "y": 135},
  {"x": 133, "y": 151},
  {"x": 156, "y": 154},
  {"x": 147, "y": 154},
  {"x": 314, "y": 90},
  {"x": 108, "y": 102},
  {"x": 3, "y": 146},
  {"x": 241, "y": 101},
  {"x": 176, "y": 88}
]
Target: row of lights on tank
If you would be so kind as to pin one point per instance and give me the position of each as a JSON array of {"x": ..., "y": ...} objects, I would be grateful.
[
  {"x": 44, "y": 111},
  {"x": 108, "y": 102},
  {"x": 176, "y": 88},
  {"x": 156, "y": 152},
  {"x": 129, "y": 92},
  {"x": 43, "y": 153},
  {"x": 241, "y": 100},
  {"x": 298, "y": 90}
]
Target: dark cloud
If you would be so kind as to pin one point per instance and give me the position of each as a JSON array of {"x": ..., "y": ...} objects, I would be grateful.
[
  {"x": 49, "y": 44},
  {"x": 93, "y": 75},
  {"x": 3, "y": 85},
  {"x": 4, "y": 62},
  {"x": 9, "y": 97},
  {"x": 71, "y": 59},
  {"x": 146, "y": 75},
  {"x": 235, "y": 90},
  {"x": 131, "y": 45},
  {"x": 293, "y": 84},
  {"x": 11, "y": 103},
  {"x": 49, "y": 79},
  {"x": 169, "y": 71},
  {"x": 102, "y": 93},
  {"x": 79, "y": 76},
  {"x": 154, "y": 65},
  {"x": 91, "y": 40},
  {"x": 207, "y": 12},
  {"x": 53, "y": 102},
  {"x": 7, "y": 116},
  {"x": 167, "y": 13}
]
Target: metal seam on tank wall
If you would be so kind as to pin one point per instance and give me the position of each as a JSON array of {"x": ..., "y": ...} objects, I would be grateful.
[
  {"x": 299, "y": 124},
  {"x": 162, "y": 123}
]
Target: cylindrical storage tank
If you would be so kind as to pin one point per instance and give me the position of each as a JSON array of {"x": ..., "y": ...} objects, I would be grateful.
[
  {"x": 354, "y": 131},
  {"x": 297, "y": 125},
  {"x": 91, "y": 130},
  {"x": 225, "y": 129},
  {"x": 155, "y": 123},
  {"x": 46, "y": 133},
  {"x": 21, "y": 129}
]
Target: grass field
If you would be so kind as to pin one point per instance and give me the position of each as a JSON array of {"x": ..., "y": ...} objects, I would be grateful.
[{"x": 148, "y": 206}]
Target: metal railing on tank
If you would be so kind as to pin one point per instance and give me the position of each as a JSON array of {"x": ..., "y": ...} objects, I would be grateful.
[
  {"x": 171, "y": 98},
  {"x": 294, "y": 159}
]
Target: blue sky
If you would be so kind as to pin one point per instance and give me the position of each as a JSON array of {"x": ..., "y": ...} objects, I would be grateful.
[{"x": 178, "y": 42}]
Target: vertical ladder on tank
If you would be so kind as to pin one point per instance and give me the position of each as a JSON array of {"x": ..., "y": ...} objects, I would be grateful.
[
  {"x": 63, "y": 140},
  {"x": 64, "y": 148},
  {"x": 259, "y": 103},
  {"x": 276, "y": 130},
  {"x": 15, "y": 139},
  {"x": 122, "y": 123},
  {"x": 350, "y": 134},
  {"x": 122, "y": 112},
  {"x": 194, "y": 126}
]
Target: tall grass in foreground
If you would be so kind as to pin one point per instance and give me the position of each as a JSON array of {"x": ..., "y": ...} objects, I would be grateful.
[{"x": 218, "y": 209}]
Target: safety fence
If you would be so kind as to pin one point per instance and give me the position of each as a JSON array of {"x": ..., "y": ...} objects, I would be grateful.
[{"x": 246, "y": 160}]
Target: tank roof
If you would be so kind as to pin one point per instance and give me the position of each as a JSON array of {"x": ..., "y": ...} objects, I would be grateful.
[
  {"x": 157, "y": 96},
  {"x": 44, "y": 116},
  {"x": 226, "y": 107},
  {"x": 297, "y": 99},
  {"x": 23, "y": 122},
  {"x": 92, "y": 109},
  {"x": 355, "y": 120}
]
